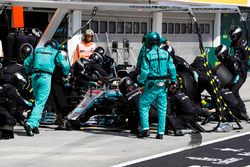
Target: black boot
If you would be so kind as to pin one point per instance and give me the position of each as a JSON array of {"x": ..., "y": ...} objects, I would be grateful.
[
  {"x": 28, "y": 129},
  {"x": 144, "y": 133},
  {"x": 244, "y": 116},
  {"x": 159, "y": 136},
  {"x": 6, "y": 134},
  {"x": 35, "y": 130},
  {"x": 134, "y": 131}
]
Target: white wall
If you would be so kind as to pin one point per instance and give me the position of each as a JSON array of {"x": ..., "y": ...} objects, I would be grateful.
[{"x": 186, "y": 45}]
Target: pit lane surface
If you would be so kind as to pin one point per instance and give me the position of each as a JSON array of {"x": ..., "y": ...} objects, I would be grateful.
[
  {"x": 98, "y": 148},
  {"x": 232, "y": 152}
]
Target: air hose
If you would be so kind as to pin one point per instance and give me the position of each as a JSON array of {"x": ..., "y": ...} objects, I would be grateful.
[{"x": 220, "y": 103}]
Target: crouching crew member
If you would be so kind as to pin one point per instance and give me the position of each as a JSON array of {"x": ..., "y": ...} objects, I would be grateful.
[{"x": 239, "y": 72}]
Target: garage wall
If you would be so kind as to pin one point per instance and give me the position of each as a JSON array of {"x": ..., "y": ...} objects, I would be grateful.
[
  {"x": 177, "y": 27},
  {"x": 180, "y": 29}
]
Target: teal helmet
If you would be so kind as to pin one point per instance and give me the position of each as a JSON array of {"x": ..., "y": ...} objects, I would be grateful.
[
  {"x": 53, "y": 43},
  {"x": 153, "y": 39},
  {"x": 163, "y": 40},
  {"x": 144, "y": 38}
]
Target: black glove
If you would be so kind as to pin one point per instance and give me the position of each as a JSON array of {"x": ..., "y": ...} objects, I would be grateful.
[{"x": 173, "y": 87}]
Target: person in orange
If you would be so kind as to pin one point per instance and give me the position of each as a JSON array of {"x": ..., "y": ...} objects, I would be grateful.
[{"x": 86, "y": 47}]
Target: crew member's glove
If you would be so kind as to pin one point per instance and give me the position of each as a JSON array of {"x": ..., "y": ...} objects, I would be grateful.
[
  {"x": 172, "y": 87},
  {"x": 236, "y": 79},
  {"x": 196, "y": 76},
  {"x": 217, "y": 63},
  {"x": 216, "y": 78},
  {"x": 141, "y": 89}
]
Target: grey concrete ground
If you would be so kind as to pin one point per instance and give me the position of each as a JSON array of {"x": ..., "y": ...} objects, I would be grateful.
[{"x": 95, "y": 148}]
